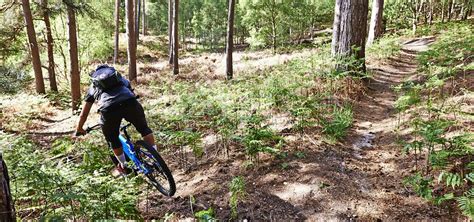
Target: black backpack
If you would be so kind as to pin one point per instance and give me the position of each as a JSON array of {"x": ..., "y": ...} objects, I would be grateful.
[{"x": 106, "y": 78}]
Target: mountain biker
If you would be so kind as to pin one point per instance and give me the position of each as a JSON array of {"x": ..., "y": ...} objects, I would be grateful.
[{"x": 116, "y": 101}]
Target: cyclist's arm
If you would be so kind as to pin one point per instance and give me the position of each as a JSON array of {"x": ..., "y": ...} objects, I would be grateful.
[{"x": 84, "y": 114}]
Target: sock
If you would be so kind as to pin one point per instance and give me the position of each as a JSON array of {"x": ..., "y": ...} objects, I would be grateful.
[{"x": 121, "y": 159}]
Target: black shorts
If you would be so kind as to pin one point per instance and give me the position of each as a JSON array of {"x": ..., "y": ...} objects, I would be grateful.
[{"x": 130, "y": 110}]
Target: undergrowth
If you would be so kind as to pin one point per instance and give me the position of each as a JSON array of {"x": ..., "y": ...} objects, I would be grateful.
[
  {"x": 384, "y": 48},
  {"x": 436, "y": 110},
  {"x": 69, "y": 181},
  {"x": 306, "y": 91},
  {"x": 308, "y": 94}
]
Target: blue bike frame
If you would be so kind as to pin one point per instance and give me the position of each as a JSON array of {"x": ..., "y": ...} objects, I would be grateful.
[{"x": 128, "y": 150}]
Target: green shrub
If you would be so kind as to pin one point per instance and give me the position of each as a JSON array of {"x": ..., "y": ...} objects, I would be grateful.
[
  {"x": 237, "y": 194},
  {"x": 12, "y": 81},
  {"x": 66, "y": 187},
  {"x": 338, "y": 122}
]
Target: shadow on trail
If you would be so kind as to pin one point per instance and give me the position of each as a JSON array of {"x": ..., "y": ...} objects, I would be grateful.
[{"x": 339, "y": 182}]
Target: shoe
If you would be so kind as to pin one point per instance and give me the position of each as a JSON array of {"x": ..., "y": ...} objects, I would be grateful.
[{"x": 121, "y": 171}]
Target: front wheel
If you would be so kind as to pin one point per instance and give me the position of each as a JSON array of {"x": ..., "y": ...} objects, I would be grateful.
[{"x": 159, "y": 174}]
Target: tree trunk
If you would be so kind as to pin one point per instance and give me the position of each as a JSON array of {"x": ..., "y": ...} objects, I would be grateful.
[
  {"x": 230, "y": 39},
  {"x": 375, "y": 29},
  {"x": 137, "y": 19},
  {"x": 131, "y": 49},
  {"x": 144, "y": 18},
  {"x": 170, "y": 31},
  {"x": 74, "y": 60},
  {"x": 450, "y": 3},
  {"x": 175, "y": 37},
  {"x": 274, "y": 38},
  {"x": 452, "y": 10},
  {"x": 442, "y": 11},
  {"x": 49, "y": 40},
  {"x": 349, "y": 32},
  {"x": 414, "y": 21},
  {"x": 430, "y": 17},
  {"x": 467, "y": 10},
  {"x": 35, "y": 57},
  {"x": 117, "y": 29}
]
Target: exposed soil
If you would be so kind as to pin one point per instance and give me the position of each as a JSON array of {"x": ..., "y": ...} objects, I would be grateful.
[{"x": 359, "y": 179}]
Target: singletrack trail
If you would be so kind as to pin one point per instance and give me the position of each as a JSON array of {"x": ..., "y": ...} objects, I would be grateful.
[{"x": 358, "y": 179}]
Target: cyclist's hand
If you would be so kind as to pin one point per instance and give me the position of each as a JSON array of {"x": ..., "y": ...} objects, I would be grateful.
[{"x": 79, "y": 132}]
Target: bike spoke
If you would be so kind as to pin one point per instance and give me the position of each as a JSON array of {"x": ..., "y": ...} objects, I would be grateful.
[{"x": 155, "y": 176}]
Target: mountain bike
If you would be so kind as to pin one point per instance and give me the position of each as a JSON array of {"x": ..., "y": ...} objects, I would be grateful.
[{"x": 146, "y": 161}]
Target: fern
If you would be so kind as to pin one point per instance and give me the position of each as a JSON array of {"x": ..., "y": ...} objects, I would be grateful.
[
  {"x": 237, "y": 194},
  {"x": 451, "y": 179},
  {"x": 466, "y": 203},
  {"x": 470, "y": 177}
]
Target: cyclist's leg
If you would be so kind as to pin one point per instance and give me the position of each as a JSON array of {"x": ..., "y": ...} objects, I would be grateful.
[
  {"x": 111, "y": 129},
  {"x": 136, "y": 116}
]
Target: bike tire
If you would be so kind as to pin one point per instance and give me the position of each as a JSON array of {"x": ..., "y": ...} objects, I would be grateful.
[{"x": 158, "y": 165}]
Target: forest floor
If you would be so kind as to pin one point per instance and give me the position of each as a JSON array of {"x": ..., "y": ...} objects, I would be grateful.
[{"x": 357, "y": 179}]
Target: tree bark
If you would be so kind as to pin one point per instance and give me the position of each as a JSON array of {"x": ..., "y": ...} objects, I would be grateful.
[
  {"x": 230, "y": 39},
  {"x": 170, "y": 30},
  {"x": 467, "y": 9},
  {"x": 35, "y": 57},
  {"x": 144, "y": 18},
  {"x": 442, "y": 11},
  {"x": 131, "y": 49},
  {"x": 175, "y": 37},
  {"x": 453, "y": 8},
  {"x": 430, "y": 17},
  {"x": 137, "y": 19},
  {"x": 273, "y": 20},
  {"x": 375, "y": 29},
  {"x": 117, "y": 29},
  {"x": 49, "y": 40},
  {"x": 74, "y": 59},
  {"x": 450, "y": 3},
  {"x": 415, "y": 13},
  {"x": 350, "y": 32}
]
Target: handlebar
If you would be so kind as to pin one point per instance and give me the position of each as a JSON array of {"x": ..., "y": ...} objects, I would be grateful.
[
  {"x": 99, "y": 125},
  {"x": 122, "y": 128},
  {"x": 92, "y": 128}
]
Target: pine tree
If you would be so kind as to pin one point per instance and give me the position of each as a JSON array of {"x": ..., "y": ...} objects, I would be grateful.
[
  {"x": 349, "y": 32},
  {"x": 74, "y": 59},
  {"x": 35, "y": 57},
  {"x": 230, "y": 39}
]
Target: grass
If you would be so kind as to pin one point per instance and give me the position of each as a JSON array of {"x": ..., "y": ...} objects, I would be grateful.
[
  {"x": 434, "y": 107},
  {"x": 70, "y": 180},
  {"x": 384, "y": 48},
  {"x": 181, "y": 111},
  {"x": 301, "y": 89},
  {"x": 444, "y": 63}
]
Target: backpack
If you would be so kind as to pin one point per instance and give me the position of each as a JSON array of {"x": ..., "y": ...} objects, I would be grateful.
[{"x": 106, "y": 78}]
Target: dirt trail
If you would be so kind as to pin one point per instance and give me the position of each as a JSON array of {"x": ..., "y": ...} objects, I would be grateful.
[{"x": 360, "y": 179}]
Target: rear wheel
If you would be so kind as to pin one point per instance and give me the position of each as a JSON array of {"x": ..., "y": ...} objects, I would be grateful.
[{"x": 159, "y": 175}]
